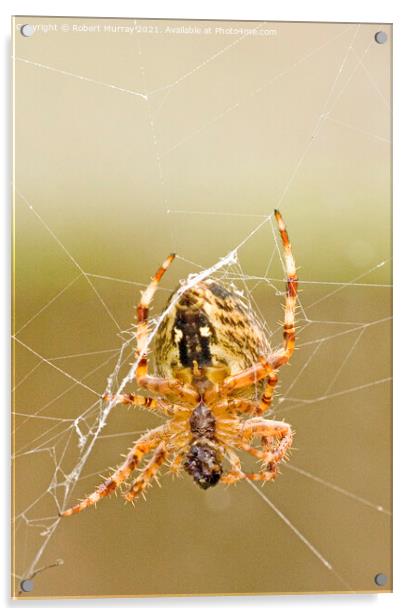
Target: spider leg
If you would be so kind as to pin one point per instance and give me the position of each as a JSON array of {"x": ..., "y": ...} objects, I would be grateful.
[
  {"x": 268, "y": 368},
  {"x": 267, "y": 395},
  {"x": 289, "y": 322},
  {"x": 291, "y": 295},
  {"x": 228, "y": 427},
  {"x": 259, "y": 371},
  {"x": 144, "y": 478},
  {"x": 177, "y": 461},
  {"x": 132, "y": 399},
  {"x": 169, "y": 387},
  {"x": 178, "y": 430},
  {"x": 146, "y": 443},
  {"x": 235, "y": 405},
  {"x": 236, "y": 473},
  {"x": 247, "y": 377},
  {"x": 152, "y": 383},
  {"x": 276, "y": 437},
  {"x": 142, "y": 317}
]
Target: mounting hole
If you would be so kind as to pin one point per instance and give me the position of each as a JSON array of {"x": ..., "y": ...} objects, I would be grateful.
[
  {"x": 380, "y": 37},
  {"x": 380, "y": 579},
  {"x": 26, "y": 585},
  {"x": 27, "y": 30}
]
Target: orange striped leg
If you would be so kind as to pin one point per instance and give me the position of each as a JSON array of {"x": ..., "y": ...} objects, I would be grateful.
[
  {"x": 166, "y": 387},
  {"x": 268, "y": 475},
  {"x": 291, "y": 294},
  {"x": 268, "y": 392},
  {"x": 142, "y": 317},
  {"x": 266, "y": 427},
  {"x": 131, "y": 399},
  {"x": 145, "y": 444},
  {"x": 264, "y": 369},
  {"x": 143, "y": 480},
  {"x": 277, "y": 439},
  {"x": 244, "y": 379},
  {"x": 176, "y": 465},
  {"x": 237, "y": 405},
  {"x": 236, "y": 473},
  {"x": 233, "y": 477},
  {"x": 289, "y": 322}
]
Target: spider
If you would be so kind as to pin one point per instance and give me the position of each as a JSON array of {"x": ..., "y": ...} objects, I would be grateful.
[{"x": 209, "y": 352}]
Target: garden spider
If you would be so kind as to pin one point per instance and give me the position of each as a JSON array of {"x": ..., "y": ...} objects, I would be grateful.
[{"x": 209, "y": 352}]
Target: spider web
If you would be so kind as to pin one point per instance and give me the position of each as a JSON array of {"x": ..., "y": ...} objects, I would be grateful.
[{"x": 340, "y": 321}]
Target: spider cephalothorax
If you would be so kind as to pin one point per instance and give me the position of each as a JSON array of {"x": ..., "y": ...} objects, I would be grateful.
[{"x": 210, "y": 353}]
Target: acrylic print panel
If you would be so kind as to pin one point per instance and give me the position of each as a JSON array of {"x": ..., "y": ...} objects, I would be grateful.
[{"x": 135, "y": 139}]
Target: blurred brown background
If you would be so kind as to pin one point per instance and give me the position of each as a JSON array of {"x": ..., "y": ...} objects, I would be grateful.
[{"x": 107, "y": 183}]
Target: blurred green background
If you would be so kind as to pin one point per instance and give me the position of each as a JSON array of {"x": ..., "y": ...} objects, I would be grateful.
[{"x": 108, "y": 182}]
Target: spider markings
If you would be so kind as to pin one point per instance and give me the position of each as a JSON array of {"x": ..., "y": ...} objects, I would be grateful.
[
  {"x": 211, "y": 325},
  {"x": 210, "y": 351}
]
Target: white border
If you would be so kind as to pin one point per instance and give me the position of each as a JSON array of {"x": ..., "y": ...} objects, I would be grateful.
[{"x": 395, "y": 11}]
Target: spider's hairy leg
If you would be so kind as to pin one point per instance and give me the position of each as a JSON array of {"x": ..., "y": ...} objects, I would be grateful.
[
  {"x": 247, "y": 377},
  {"x": 169, "y": 387},
  {"x": 176, "y": 465},
  {"x": 234, "y": 406},
  {"x": 144, "y": 445},
  {"x": 289, "y": 321},
  {"x": 291, "y": 294},
  {"x": 144, "y": 478},
  {"x": 257, "y": 426},
  {"x": 236, "y": 473},
  {"x": 178, "y": 437},
  {"x": 142, "y": 316},
  {"x": 277, "y": 439},
  {"x": 268, "y": 368},
  {"x": 132, "y": 399},
  {"x": 268, "y": 475},
  {"x": 267, "y": 395},
  {"x": 257, "y": 372},
  {"x": 158, "y": 404}
]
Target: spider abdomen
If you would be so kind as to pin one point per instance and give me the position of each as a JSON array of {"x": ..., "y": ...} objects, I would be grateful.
[
  {"x": 202, "y": 462},
  {"x": 209, "y": 325}
]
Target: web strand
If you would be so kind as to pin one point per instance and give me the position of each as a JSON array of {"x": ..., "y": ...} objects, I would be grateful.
[{"x": 299, "y": 534}]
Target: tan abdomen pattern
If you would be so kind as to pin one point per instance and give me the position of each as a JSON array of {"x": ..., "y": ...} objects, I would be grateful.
[{"x": 212, "y": 325}]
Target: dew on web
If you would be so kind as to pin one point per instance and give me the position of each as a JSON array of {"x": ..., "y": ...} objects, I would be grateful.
[{"x": 320, "y": 332}]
